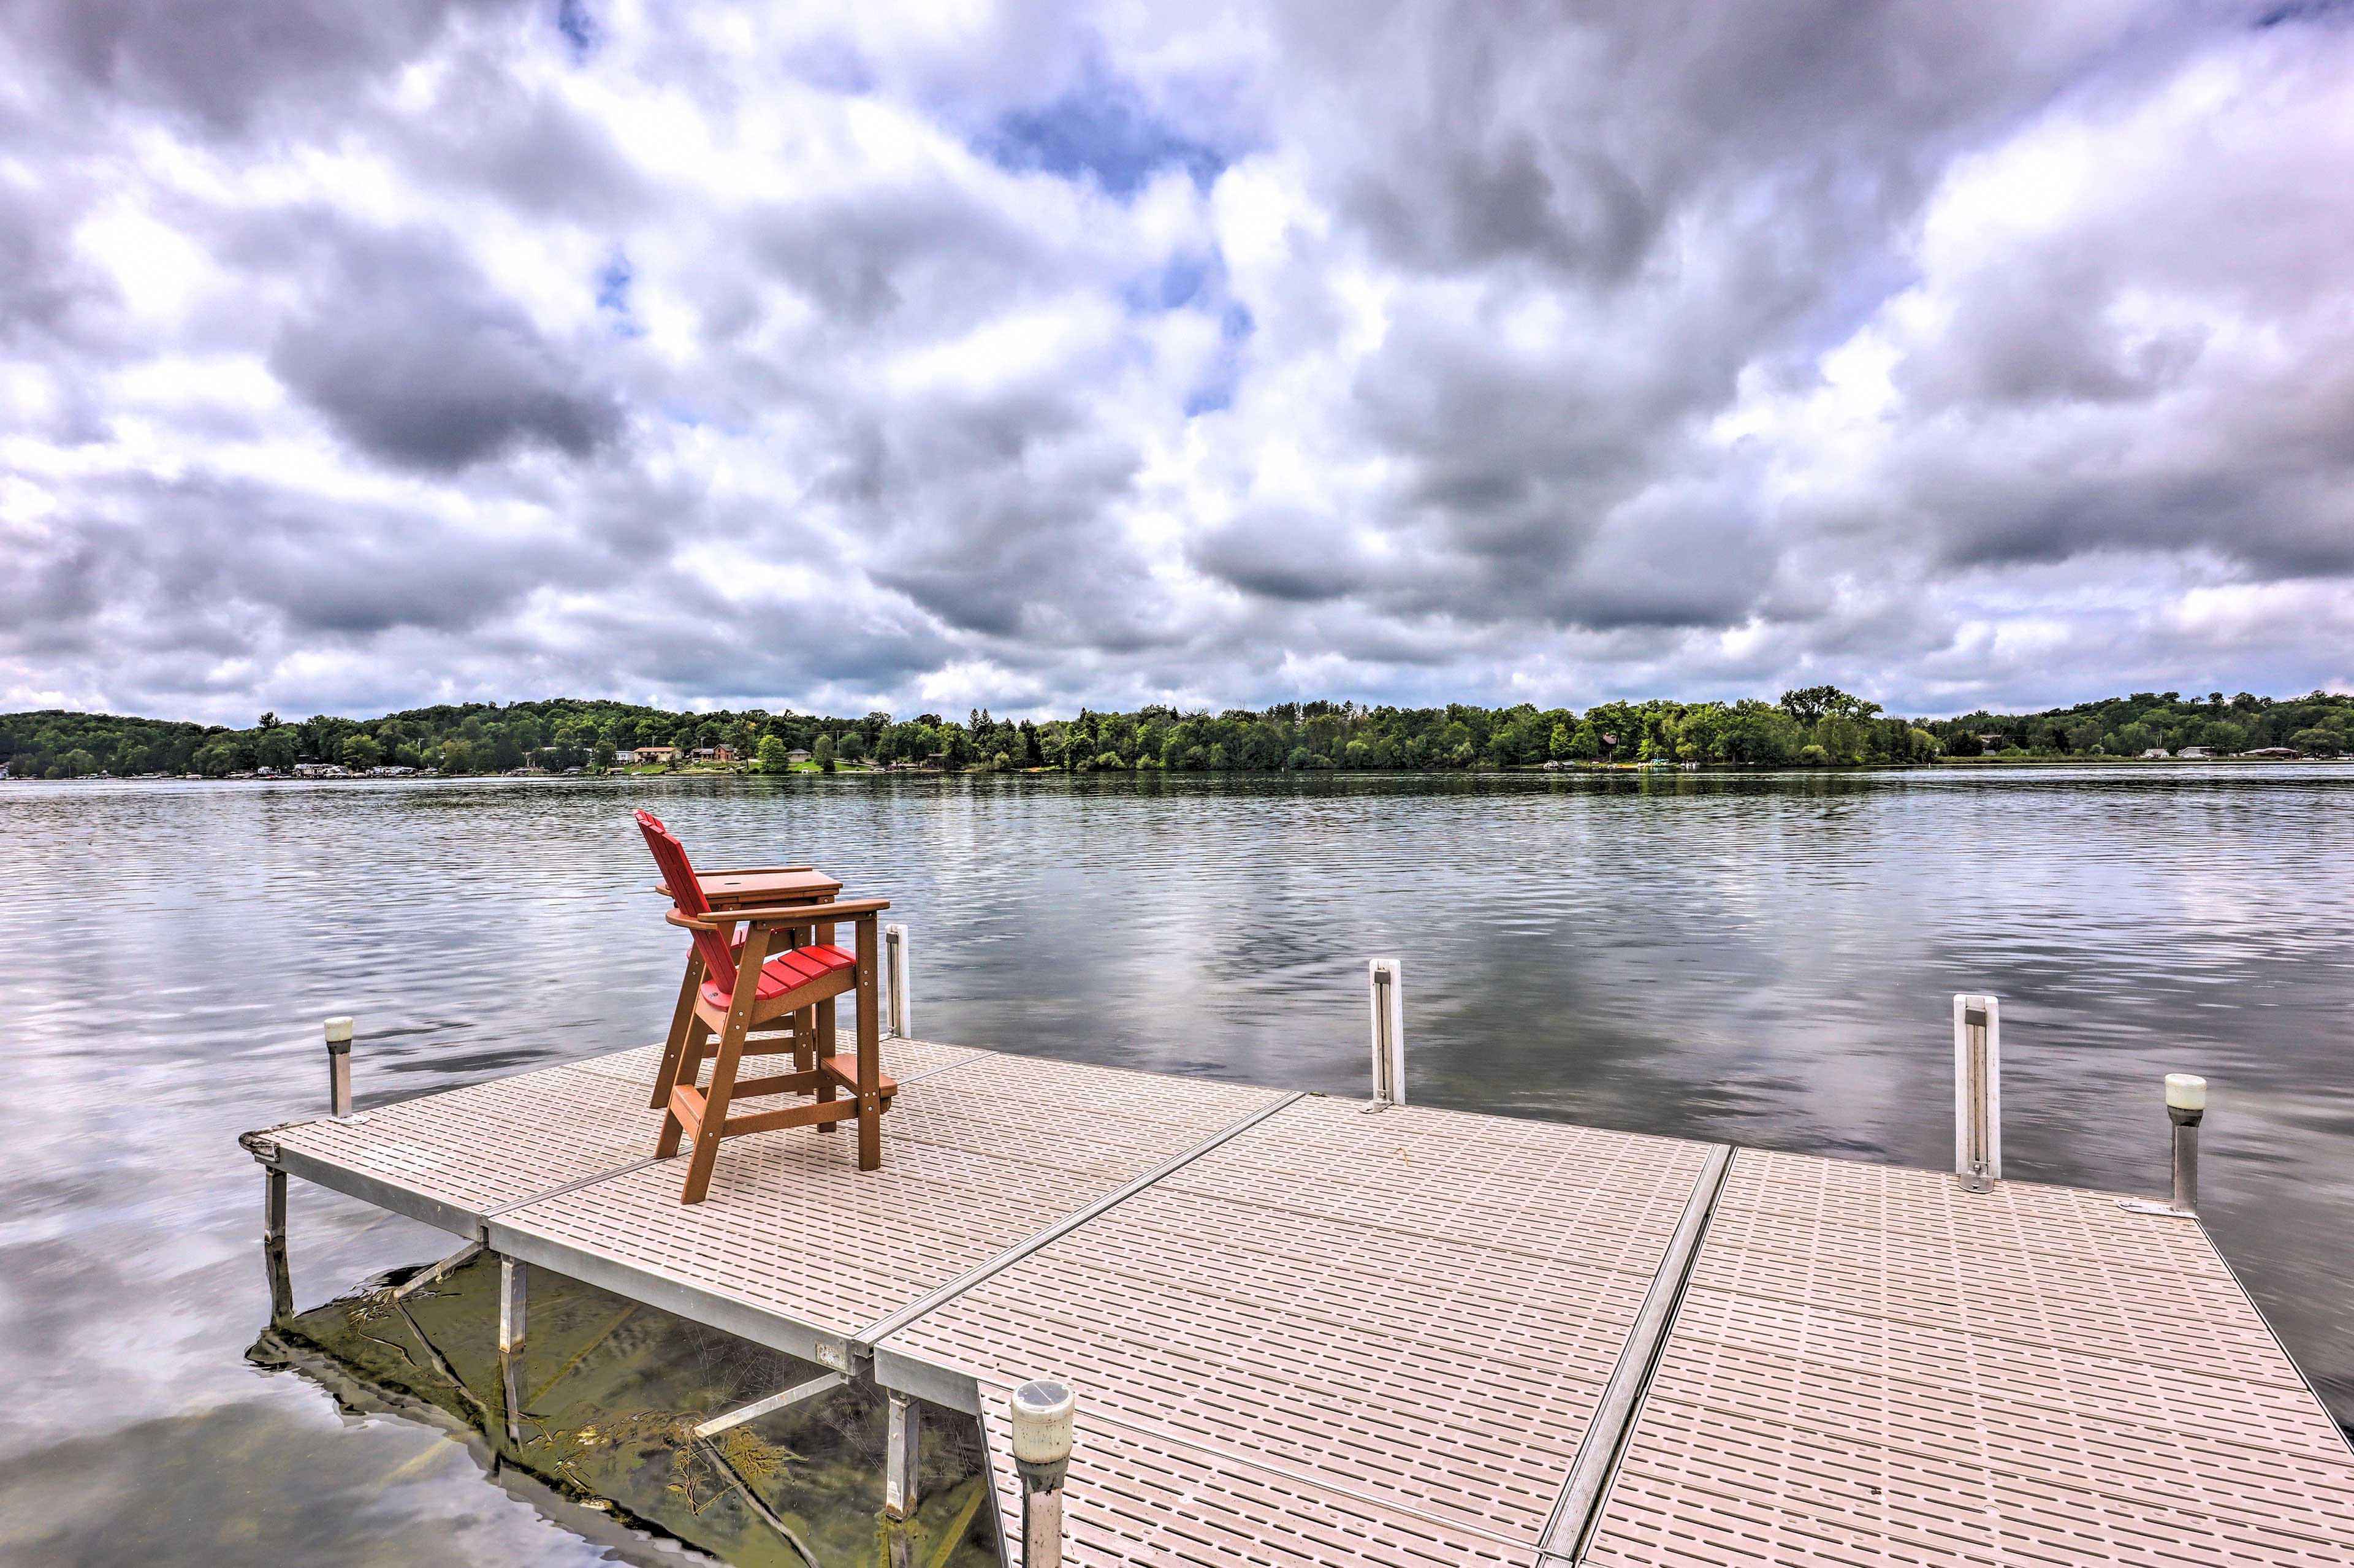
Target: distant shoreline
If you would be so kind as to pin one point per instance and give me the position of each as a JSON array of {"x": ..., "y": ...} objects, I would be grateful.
[{"x": 1606, "y": 770}]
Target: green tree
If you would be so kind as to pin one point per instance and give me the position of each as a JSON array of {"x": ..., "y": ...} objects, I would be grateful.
[
  {"x": 1815, "y": 703},
  {"x": 823, "y": 755},
  {"x": 280, "y": 746},
  {"x": 773, "y": 757},
  {"x": 361, "y": 753}
]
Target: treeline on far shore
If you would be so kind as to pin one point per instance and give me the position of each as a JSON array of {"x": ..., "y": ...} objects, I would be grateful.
[{"x": 1820, "y": 726}]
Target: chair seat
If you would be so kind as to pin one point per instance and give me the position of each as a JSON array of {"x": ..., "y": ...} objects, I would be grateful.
[{"x": 787, "y": 971}]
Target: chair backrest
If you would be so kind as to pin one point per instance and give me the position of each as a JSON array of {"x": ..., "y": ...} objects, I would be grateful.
[{"x": 687, "y": 893}]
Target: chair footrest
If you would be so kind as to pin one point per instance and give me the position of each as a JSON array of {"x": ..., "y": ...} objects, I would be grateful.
[{"x": 843, "y": 1070}]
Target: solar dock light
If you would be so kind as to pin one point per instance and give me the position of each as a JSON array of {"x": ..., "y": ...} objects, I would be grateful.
[
  {"x": 2186, "y": 1107},
  {"x": 1042, "y": 1453},
  {"x": 1387, "y": 980},
  {"x": 339, "y": 1069},
  {"x": 1978, "y": 1092}
]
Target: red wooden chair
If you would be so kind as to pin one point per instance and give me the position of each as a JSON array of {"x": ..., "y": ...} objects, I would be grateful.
[{"x": 773, "y": 978}]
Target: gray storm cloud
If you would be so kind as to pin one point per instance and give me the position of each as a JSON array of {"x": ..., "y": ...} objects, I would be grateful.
[{"x": 1047, "y": 355}]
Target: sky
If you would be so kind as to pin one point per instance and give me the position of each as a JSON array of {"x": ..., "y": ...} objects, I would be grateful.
[{"x": 947, "y": 354}]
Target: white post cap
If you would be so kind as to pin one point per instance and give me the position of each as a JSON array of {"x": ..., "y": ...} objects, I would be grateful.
[
  {"x": 339, "y": 1031},
  {"x": 1041, "y": 1422},
  {"x": 2186, "y": 1091}
]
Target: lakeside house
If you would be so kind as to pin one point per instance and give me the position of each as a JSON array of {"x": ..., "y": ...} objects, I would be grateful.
[
  {"x": 320, "y": 770},
  {"x": 624, "y": 757},
  {"x": 798, "y": 754},
  {"x": 2278, "y": 753},
  {"x": 654, "y": 754},
  {"x": 715, "y": 754},
  {"x": 2194, "y": 751},
  {"x": 2157, "y": 751}
]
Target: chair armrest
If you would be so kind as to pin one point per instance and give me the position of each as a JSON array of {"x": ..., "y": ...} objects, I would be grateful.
[{"x": 804, "y": 914}]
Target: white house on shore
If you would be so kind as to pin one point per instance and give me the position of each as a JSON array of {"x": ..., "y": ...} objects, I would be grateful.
[
  {"x": 2194, "y": 751},
  {"x": 2158, "y": 751}
]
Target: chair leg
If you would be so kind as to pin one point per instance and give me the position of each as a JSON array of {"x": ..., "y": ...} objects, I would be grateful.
[
  {"x": 822, "y": 1041},
  {"x": 681, "y": 1017},
  {"x": 749, "y": 959},
  {"x": 688, "y": 1071},
  {"x": 870, "y": 1051},
  {"x": 715, "y": 1113}
]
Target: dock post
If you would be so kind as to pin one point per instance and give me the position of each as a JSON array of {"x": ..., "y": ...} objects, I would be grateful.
[
  {"x": 2186, "y": 1107},
  {"x": 511, "y": 1338},
  {"x": 1041, "y": 1452},
  {"x": 511, "y": 1304},
  {"x": 900, "y": 1011},
  {"x": 339, "y": 1068},
  {"x": 1387, "y": 981},
  {"x": 273, "y": 1244},
  {"x": 1978, "y": 1092},
  {"x": 899, "y": 1495}
]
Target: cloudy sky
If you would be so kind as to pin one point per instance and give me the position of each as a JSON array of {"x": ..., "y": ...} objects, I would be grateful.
[{"x": 951, "y": 354}]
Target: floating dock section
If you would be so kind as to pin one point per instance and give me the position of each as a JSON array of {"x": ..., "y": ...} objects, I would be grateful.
[{"x": 1309, "y": 1333}]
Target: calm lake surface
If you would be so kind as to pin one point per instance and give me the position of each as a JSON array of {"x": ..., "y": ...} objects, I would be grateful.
[{"x": 1763, "y": 960}]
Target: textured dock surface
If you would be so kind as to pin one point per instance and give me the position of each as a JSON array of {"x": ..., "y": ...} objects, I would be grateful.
[{"x": 1306, "y": 1335}]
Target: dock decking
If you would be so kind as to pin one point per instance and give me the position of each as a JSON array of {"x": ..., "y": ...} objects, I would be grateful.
[{"x": 1304, "y": 1333}]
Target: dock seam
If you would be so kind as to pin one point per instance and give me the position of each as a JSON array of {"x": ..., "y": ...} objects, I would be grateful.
[
  {"x": 874, "y": 1333},
  {"x": 1581, "y": 1492}
]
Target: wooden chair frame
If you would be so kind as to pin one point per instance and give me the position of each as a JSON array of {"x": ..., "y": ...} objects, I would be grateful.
[
  {"x": 797, "y": 1032},
  {"x": 704, "y": 1115}
]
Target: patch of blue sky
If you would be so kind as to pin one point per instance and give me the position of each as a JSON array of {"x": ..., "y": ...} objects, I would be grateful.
[
  {"x": 613, "y": 280},
  {"x": 1185, "y": 280},
  {"x": 1099, "y": 131},
  {"x": 1216, "y": 392}
]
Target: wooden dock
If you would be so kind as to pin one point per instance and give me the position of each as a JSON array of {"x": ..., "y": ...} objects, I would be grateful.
[{"x": 1306, "y": 1333}]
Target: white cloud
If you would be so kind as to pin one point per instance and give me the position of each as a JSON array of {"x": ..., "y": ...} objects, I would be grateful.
[{"x": 1047, "y": 355}]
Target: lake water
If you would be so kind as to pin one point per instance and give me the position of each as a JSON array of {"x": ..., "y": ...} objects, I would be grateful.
[{"x": 1763, "y": 960}]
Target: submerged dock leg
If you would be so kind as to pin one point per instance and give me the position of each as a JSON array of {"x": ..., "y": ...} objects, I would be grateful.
[
  {"x": 512, "y": 1276},
  {"x": 1042, "y": 1453},
  {"x": 900, "y": 1542},
  {"x": 899, "y": 1495},
  {"x": 273, "y": 1244},
  {"x": 511, "y": 1306}
]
